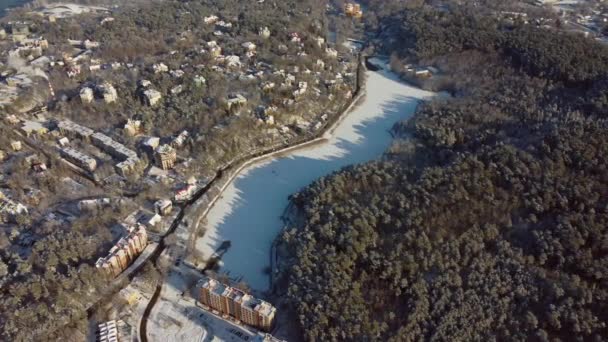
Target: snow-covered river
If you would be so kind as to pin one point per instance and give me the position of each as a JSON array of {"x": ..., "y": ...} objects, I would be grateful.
[
  {"x": 248, "y": 214},
  {"x": 4, "y": 4}
]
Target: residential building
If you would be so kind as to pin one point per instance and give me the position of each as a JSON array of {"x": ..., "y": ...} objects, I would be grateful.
[
  {"x": 268, "y": 86},
  {"x": 165, "y": 157},
  {"x": 39, "y": 167},
  {"x": 151, "y": 144},
  {"x": 144, "y": 83},
  {"x": 16, "y": 145},
  {"x": 153, "y": 220},
  {"x": 94, "y": 204},
  {"x": 320, "y": 41},
  {"x": 163, "y": 207},
  {"x": 86, "y": 95},
  {"x": 237, "y": 304},
  {"x": 249, "y": 46},
  {"x": 212, "y": 294},
  {"x": 423, "y": 73},
  {"x": 353, "y": 10},
  {"x": 112, "y": 147},
  {"x": 233, "y": 61},
  {"x": 107, "y": 92},
  {"x": 114, "y": 331},
  {"x": 234, "y": 102},
  {"x": 177, "y": 89},
  {"x": 72, "y": 129},
  {"x": 129, "y": 157},
  {"x": 180, "y": 139},
  {"x": 124, "y": 252},
  {"x": 199, "y": 80},
  {"x": 295, "y": 37},
  {"x": 332, "y": 53},
  {"x": 79, "y": 159},
  {"x": 177, "y": 73},
  {"x": 212, "y": 19},
  {"x": 133, "y": 127},
  {"x": 160, "y": 67},
  {"x": 264, "y": 32},
  {"x": 20, "y": 30},
  {"x": 152, "y": 97},
  {"x": 185, "y": 193},
  {"x": 33, "y": 128}
]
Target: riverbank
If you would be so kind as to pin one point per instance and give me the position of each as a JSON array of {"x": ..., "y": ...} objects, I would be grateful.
[{"x": 196, "y": 209}]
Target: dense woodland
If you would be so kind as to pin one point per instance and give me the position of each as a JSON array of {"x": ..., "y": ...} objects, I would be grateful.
[{"x": 487, "y": 218}]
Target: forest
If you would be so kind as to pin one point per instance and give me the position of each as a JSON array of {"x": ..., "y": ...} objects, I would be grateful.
[{"x": 487, "y": 218}]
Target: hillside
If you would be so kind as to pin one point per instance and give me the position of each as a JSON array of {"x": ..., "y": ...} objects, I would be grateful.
[{"x": 486, "y": 220}]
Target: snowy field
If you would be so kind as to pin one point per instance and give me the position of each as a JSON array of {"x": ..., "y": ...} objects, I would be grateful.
[
  {"x": 248, "y": 214},
  {"x": 177, "y": 317}
]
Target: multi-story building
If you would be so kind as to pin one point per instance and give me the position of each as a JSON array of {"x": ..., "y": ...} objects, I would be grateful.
[
  {"x": 152, "y": 97},
  {"x": 86, "y": 95},
  {"x": 133, "y": 127},
  {"x": 72, "y": 130},
  {"x": 117, "y": 150},
  {"x": 237, "y": 304},
  {"x": 212, "y": 295},
  {"x": 79, "y": 158},
  {"x": 165, "y": 157},
  {"x": 114, "y": 331},
  {"x": 233, "y": 298},
  {"x": 353, "y": 10},
  {"x": 124, "y": 252},
  {"x": 163, "y": 207}
]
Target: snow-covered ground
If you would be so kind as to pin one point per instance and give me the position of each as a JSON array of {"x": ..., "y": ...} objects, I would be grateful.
[
  {"x": 179, "y": 317},
  {"x": 248, "y": 214}
]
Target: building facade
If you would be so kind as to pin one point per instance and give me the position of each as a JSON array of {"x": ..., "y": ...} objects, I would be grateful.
[
  {"x": 165, "y": 157},
  {"x": 114, "y": 331},
  {"x": 236, "y": 303}
]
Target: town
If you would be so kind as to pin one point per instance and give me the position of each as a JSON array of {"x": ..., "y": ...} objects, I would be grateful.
[{"x": 99, "y": 136}]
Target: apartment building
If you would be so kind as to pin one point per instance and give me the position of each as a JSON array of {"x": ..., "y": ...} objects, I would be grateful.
[
  {"x": 124, "y": 252},
  {"x": 79, "y": 159},
  {"x": 117, "y": 150},
  {"x": 165, "y": 157},
  {"x": 71, "y": 129},
  {"x": 114, "y": 331},
  {"x": 237, "y": 304}
]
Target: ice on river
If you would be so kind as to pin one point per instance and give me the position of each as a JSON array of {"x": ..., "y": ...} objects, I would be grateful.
[{"x": 248, "y": 214}]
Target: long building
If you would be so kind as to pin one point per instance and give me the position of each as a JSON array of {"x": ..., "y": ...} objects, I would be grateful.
[
  {"x": 79, "y": 158},
  {"x": 124, "y": 252},
  {"x": 114, "y": 331},
  {"x": 237, "y": 304},
  {"x": 72, "y": 130},
  {"x": 128, "y": 158},
  {"x": 117, "y": 150}
]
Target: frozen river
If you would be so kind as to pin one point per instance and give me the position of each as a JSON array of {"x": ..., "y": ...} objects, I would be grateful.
[
  {"x": 4, "y": 4},
  {"x": 248, "y": 214}
]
